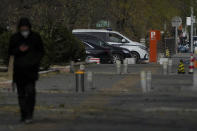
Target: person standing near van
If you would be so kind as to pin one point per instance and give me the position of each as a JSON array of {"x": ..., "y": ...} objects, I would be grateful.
[{"x": 27, "y": 48}]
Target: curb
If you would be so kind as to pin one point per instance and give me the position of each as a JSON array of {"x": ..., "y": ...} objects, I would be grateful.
[
  {"x": 9, "y": 82},
  {"x": 6, "y": 83}
]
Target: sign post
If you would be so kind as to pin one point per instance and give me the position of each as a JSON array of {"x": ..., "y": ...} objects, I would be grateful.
[
  {"x": 176, "y": 22},
  {"x": 103, "y": 24}
]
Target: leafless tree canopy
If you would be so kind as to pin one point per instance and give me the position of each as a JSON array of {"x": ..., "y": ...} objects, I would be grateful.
[{"x": 132, "y": 17}]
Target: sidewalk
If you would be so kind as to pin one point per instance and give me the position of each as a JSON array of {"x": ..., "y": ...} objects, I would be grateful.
[{"x": 117, "y": 104}]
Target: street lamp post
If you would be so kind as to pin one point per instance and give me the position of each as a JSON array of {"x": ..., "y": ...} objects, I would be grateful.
[
  {"x": 176, "y": 22},
  {"x": 176, "y": 39},
  {"x": 192, "y": 29}
]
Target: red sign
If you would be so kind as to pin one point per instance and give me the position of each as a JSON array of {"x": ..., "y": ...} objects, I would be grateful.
[{"x": 155, "y": 36}]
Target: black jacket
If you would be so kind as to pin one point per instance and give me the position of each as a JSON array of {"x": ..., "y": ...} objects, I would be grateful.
[{"x": 26, "y": 64}]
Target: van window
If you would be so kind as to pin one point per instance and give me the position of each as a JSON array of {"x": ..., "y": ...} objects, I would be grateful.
[
  {"x": 115, "y": 38},
  {"x": 97, "y": 42},
  {"x": 87, "y": 46},
  {"x": 100, "y": 35}
]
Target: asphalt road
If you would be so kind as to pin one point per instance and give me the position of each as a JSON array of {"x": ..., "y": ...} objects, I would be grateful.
[{"x": 117, "y": 103}]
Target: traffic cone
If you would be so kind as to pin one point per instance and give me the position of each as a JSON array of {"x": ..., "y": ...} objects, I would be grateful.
[
  {"x": 191, "y": 67},
  {"x": 181, "y": 69},
  {"x": 195, "y": 63}
]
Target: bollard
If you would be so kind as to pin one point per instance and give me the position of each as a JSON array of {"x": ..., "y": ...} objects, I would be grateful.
[
  {"x": 195, "y": 80},
  {"x": 125, "y": 69},
  {"x": 143, "y": 81},
  {"x": 82, "y": 67},
  {"x": 80, "y": 81},
  {"x": 90, "y": 80},
  {"x": 191, "y": 67},
  {"x": 170, "y": 63},
  {"x": 149, "y": 81},
  {"x": 72, "y": 67},
  {"x": 165, "y": 68},
  {"x": 131, "y": 61},
  {"x": 118, "y": 67}
]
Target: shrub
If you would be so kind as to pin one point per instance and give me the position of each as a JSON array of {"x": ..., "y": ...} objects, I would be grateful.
[
  {"x": 60, "y": 47},
  {"x": 48, "y": 58},
  {"x": 67, "y": 47},
  {"x": 2, "y": 30},
  {"x": 4, "y": 45}
]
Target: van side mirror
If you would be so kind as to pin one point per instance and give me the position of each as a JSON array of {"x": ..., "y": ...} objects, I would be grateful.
[{"x": 124, "y": 41}]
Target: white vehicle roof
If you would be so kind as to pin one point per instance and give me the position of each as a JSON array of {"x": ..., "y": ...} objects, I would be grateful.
[
  {"x": 92, "y": 30},
  {"x": 104, "y": 31}
]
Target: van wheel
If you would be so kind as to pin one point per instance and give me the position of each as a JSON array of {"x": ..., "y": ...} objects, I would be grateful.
[
  {"x": 116, "y": 57},
  {"x": 136, "y": 56}
]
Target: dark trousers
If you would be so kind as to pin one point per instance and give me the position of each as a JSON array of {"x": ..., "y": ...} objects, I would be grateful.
[{"x": 26, "y": 97}]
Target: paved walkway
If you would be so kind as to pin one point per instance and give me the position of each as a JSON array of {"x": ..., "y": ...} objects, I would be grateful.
[{"x": 118, "y": 104}]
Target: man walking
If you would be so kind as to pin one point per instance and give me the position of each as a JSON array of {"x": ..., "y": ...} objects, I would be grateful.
[{"x": 27, "y": 48}]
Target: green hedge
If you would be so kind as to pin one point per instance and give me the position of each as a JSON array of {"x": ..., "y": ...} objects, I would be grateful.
[
  {"x": 4, "y": 45},
  {"x": 66, "y": 46},
  {"x": 60, "y": 47}
]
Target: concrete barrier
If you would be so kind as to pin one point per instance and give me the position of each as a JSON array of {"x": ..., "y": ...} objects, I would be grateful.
[
  {"x": 125, "y": 68},
  {"x": 90, "y": 80},
  {"x": 143, "y": 81},
  {"x": 149, "y": 81},
  {"x": 72, "y": 70},
  {"x": 118, "y": 67},
  {"x": 195, "y": 80},
  {"x": 163, "y": 60},
  {"x": 131, "y": 61},
  {"x": 165, "y": 68},
  {"x": 82, "y": 67},
  {"x": 170, "y": 63}
]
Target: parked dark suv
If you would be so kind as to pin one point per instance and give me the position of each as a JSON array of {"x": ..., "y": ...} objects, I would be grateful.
[
  {"x": 118, "y": 53},
  {"x": 94, "y": 51}
]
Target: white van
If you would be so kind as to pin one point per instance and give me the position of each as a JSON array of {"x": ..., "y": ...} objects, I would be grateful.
[{"x": 138, "y": 50}]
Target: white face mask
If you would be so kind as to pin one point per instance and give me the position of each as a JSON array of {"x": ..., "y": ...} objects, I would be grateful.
[{"x": 25, "y": 34}]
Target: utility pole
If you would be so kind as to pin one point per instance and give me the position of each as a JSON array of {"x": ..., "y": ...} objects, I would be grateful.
[
  {"x": 176, "y": 22},
  {"x": 192, "y": 29},
  {"x": 176, "y": 39}
]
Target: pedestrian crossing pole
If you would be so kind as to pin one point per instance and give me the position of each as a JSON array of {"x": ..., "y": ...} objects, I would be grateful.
[{"x": 192, "y": 29}]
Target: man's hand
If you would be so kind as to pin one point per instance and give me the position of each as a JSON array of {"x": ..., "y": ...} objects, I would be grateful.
[{"x": 23, "y": 48}]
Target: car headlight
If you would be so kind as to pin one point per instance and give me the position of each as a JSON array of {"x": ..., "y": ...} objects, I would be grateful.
[
  {"x": 126, "y": 51},
  {"x": 143, "y": 47}
]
